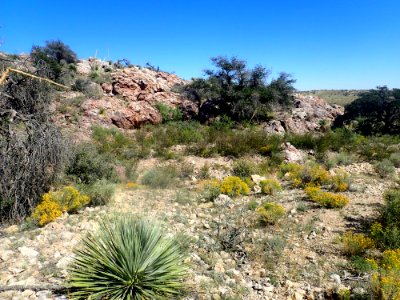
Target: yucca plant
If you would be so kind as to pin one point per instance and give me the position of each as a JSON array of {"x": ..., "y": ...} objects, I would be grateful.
[{"x": 127, "y": 258}]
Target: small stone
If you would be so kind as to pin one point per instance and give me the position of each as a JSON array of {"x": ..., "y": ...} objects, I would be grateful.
[
  {"x": 28, "y": 252},
  {"x": 336, "y": 278},
  {"x": 223, "y": 200},
  {"x": 257, "y": 179},
  {"x": 11, "y": 229},
  {"x": 206, "y": 225},
  {"x": 6, "y": 255},
  {"x": 64, "y": 262},
  {"x": 219, "y": 268}
]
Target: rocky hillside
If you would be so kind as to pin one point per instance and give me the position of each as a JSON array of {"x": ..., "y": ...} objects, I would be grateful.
[{"x": 128, "y": 98}]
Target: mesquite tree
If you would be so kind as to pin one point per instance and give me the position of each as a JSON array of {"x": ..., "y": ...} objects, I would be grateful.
[{"x": 32, "y": 150}]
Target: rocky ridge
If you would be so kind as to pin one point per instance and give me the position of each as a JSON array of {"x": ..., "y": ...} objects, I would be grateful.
[{"x": 130, "y": 97}]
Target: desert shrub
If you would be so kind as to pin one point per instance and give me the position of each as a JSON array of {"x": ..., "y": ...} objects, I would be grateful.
[
  {"x": 234, "y": 186},
  {"x": 356, "y": 243},
  {"x": 326, "y": 199},
  {"x": 384, "y": 168},
  {"x": 100, "y": 192},
  {"x": 69, "y": 199},
  {"x": 160, "y": 177},
  {"x": 341, "y": 181},
  {"x": 56, "y": 60},
  {"x": 112, "y": 141},
  {"x": 386, "y": 237},
  {"x": 252, "y": 205},
  {"x": 210, "y": 189},
  {"x": 55, "y": 203},
  {"x": 87, "y": 165},
  {"x": 185, "y": 170},
  {"x": 339, "y": 159},
  {"x": 386, "y": 232},
  {"x": 287, "y": 168},
  {"x": 390, "y": 214},
  {"x": 32, "y": 149},
  {"x": 244, "y": 168},
  {"x": 385, "y": 280},
  {"x": 87, "y": 87},
  {"x": 204, "y": 172},
  {"x": 271, "y": 212},
  {"x": 270, "y": 186},
  {"x": 238, "y": 143},
  {"x": 168, "y": 113},
  {"x": 303, "y": 175},
  {"x": 395, "y": 159},
  {"x": 47, "y": 211},
  {"x": 133, "y": 258}
]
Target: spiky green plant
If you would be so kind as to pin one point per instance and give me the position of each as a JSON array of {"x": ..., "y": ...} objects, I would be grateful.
[{"x": 127, "y": 258}]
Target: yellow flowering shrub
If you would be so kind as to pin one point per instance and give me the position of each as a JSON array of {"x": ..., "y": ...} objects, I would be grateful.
[
  {"x": 270, "y": 186},
  {"x": 271, "y": 212},
  {"x": 302, "y": 175},
  {"x": 47, "y": 211},
  {"x": 385, "y": 281},
  {"x": 356, "y": 243},
  {"x": 234, "y": 186},
  {"x": 326, "y": 199},
  {"x": 70, "y": 199},
  {"x": 55, "y": 203},
  {"x": 131, "y": 185},
  {"x": 340, "y": 181},
  {"x": 210, "y": 189}
]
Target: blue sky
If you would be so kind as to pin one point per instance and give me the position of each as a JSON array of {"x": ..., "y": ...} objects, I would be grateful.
[{"x": 325, "y": 44}]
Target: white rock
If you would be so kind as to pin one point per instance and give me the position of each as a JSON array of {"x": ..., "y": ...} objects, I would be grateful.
[
  {"x": 6, "y": 255},
  {"x": 223, "y": 200},
  {"x": 336, "y": 279},
  {"x": 257, "y": 178},
  {"x": 219, "y": 268},
  {"x": 28, "y": 252},
  {"x": 64, "y": 262}
]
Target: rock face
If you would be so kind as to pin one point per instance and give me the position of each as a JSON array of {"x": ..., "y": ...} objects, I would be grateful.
[
  {"x": 309, "y": 113},
  {"x": 143, "y": 89},
  {"x": 129, "y": 97}
]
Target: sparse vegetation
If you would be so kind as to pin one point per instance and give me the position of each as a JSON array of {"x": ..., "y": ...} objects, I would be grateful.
[{"x": 271, "y": 212}]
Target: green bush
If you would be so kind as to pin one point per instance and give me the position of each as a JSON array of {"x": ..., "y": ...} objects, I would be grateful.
[
  {"x": 395, "y": 159},
  {"x": 271, "y": 212},
  {"x": 384, "y": 168},
  {"x": 168, "y": 113},
  {"x": 56, "y": 60},
  {"x": 244, "y": 168},
  {"x": 160, "y": 177},
  {"x": 114, "y": 142},
  {"x": 100, "y": 192},
  {"x": 270, "y": 186},
  {"x": 127, "y": 258},
  {"x": 87, "y": 87},
  {"x": 87, "y": 165}
]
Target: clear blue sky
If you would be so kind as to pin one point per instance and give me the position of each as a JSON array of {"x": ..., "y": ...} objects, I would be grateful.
[{"x": 325, "y": 44}]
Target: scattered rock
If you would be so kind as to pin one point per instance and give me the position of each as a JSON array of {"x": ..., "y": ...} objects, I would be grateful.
[{"x": 28, "y": 252}]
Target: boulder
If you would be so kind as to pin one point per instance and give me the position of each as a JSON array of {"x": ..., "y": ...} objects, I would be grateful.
[
  {"x": 309, "y": 113},
  {"x": 292, "y": 154}
]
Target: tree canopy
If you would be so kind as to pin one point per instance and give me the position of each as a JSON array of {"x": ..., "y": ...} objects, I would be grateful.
[
  {"x": 374, "y": 112},
  {"x": 243, "y": 94}
]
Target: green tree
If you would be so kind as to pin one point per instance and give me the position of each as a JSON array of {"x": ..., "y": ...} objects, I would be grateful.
[
  {"x": 373, "y": 112},
  {"x": 243, "y": 94},
  {"x": 55, "y": 60}
]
